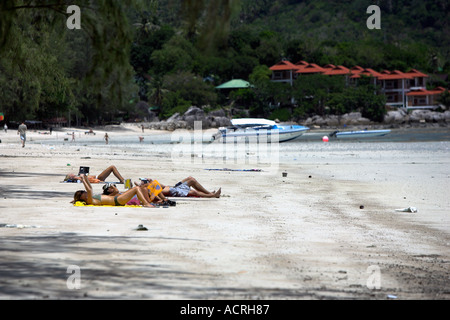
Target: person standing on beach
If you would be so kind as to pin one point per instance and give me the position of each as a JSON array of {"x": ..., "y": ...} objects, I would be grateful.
[
  {"x": 106, "y": 138},
  {"x": 73, "y": 136},
  {"x": 6, "y": 128},
  {"x": 22, "y": 131}
]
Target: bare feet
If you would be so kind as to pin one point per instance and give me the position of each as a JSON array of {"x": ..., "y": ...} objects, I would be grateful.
[{"x": 217, "y": 194}]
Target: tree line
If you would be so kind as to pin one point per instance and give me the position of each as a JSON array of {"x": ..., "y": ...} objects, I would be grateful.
[{"x": 172, "y": 54}]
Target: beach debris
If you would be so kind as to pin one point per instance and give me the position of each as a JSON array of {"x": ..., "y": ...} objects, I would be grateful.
[
  {"x": 18, "y": 226},
  {"x": 361, "y": 207},
  {"x": 391, "y": 296},
  {"x": 325, "y": 139},
  {"x": 409, "y": 209},
  {"x": 226, "y": 169},
  {"x": 141, "y": 228},
  {"x": 284, "y": 174}
]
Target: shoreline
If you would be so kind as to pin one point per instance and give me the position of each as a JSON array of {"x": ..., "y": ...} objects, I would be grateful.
[
  {"x": 315, "y": 234},
  {"x": 133, "y": 129}
]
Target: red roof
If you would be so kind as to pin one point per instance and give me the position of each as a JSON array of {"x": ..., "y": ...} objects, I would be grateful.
[
  {"x": 415, "y": 73},
  {"x": 302, "y": 63},
  {"x": 365, "y": 72},
  {"x": 395, "y": 75},
  {"x": 336, "y": 70},
  {"x": 284, "y": 65},
  {"x": 356, "y": 71},
  {"x": 423, "y": 92},
  {"x": 311, "y": 68}
]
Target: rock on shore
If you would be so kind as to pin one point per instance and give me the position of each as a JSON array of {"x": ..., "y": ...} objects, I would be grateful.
[
  {"x": 214, "y": 119},
  {"x": 392, "y": 119}
]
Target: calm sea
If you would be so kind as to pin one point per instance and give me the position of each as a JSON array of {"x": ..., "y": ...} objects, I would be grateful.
[{"x": 421, "y": 142}]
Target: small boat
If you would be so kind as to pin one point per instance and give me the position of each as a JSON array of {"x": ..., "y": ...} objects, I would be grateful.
[
  {"x": 260, "y": 128},
  {"x": 359, "y": 134}
]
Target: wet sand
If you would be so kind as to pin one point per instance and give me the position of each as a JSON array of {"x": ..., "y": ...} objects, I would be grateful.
[{"x": 328, "y": 230}]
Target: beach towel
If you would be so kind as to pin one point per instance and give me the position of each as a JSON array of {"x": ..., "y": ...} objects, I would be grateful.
[{"x": 83, "y": 204}]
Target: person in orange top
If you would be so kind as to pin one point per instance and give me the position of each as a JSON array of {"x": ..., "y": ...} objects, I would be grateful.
[{"x": 152, "y": 191}]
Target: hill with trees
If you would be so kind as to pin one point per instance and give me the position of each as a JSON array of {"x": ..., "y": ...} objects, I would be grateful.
[{"x": 172, "y": 54}]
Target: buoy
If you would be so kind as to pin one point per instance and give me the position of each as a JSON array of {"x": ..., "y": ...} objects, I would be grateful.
[{"x": 325, "y": 139}]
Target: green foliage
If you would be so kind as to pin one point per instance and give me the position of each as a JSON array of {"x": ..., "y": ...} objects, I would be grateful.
[
  {"x": 55, "y": 70},
  {"x": 160, "y": 52},
  {"x": 445, "y": 99},
  {"x": 320, "y": 94},
  {"x": 183, "y": 89},
  {"x": 282, "y": 114}
]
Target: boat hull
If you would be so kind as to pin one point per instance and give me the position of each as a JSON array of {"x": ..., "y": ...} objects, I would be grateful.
[
  {"x": 278, "y": 133},
  {"x": 361, "y": 134}
]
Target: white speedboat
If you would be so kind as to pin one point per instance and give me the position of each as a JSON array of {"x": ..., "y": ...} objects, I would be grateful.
[
  {"x": 262, "y": 129},
  {"x": 359, "y": 134}
]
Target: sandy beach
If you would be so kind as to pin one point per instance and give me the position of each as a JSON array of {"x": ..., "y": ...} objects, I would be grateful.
[{"x": 327, "y": 230}]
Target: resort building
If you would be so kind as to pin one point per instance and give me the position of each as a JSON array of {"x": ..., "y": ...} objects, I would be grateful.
[
  {"x": 422, "y": 98},
  {"x": 402, "y": 89}
]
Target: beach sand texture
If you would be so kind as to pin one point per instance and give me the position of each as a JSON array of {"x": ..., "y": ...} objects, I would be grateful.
[{"x": 328, "y": 230}]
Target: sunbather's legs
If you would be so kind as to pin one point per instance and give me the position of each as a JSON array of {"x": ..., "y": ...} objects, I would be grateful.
[
  {"x": 195, "y": 193},
  {"x": 111, "y": 169},
  {"x": 127, "y": 195},
  {"x": 193, "y": 183}
]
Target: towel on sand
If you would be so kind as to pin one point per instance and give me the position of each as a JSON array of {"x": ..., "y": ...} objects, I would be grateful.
[{"x": 83, "y": 204}]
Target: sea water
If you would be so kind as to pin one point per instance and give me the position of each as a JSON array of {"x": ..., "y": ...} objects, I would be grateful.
[{"x": 198, "y": 147}]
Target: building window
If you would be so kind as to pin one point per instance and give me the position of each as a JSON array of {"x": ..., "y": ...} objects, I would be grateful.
[{"x": 277, "y": 75}]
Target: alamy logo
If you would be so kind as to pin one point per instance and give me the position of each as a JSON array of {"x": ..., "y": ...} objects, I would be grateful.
[
  {"x": 74, "y": 280},
  {"x": 374, "y": 21},
  {"x": 374, "y": 279},
  {"x": 260, "y": 148},
  {"x": 74, "y": 21}
]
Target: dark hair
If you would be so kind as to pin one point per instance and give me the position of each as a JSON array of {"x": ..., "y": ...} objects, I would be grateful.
[
  {"x": 106, "y": 188},
  {"x": 77, "y": 196}
]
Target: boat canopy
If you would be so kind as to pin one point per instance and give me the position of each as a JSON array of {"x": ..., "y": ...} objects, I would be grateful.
[{"x": 248, "y": 122}]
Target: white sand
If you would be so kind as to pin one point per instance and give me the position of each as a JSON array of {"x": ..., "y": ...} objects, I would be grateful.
[{"x": 303, "y": 236}]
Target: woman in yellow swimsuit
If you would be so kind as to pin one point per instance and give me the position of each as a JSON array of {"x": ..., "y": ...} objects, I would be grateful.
[{"x": 101, "y": 199}]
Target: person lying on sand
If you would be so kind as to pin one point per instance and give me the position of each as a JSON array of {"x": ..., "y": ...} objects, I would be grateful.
[
  {"x": 152, "y": 192},
  {"x": 99, "y": 200},
  {"x": 71, "y": 177},
  {"x": 188, "y": 187}
]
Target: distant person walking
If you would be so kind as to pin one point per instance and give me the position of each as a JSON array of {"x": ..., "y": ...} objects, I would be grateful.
[
  {"x": 106, "y": 138},
  {"x": 73, "y": 135},
  {"x": 22, "y": 131}
]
